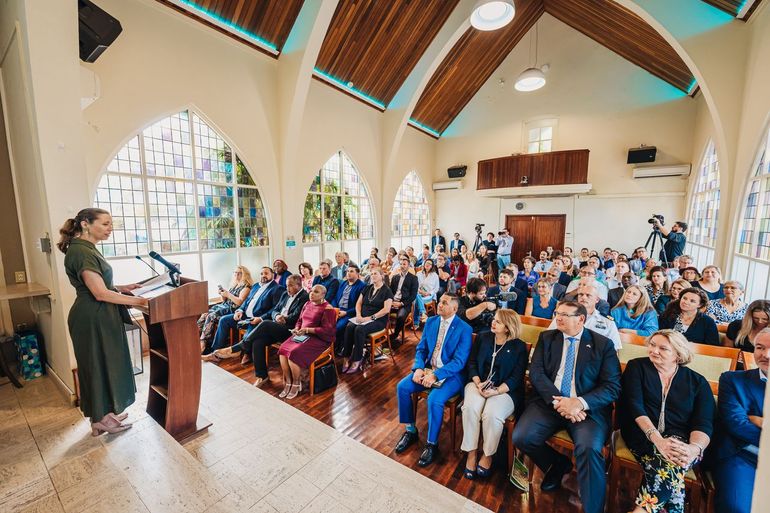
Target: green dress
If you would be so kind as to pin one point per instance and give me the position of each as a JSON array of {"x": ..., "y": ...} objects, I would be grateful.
[{"x": 99, "y": 338}]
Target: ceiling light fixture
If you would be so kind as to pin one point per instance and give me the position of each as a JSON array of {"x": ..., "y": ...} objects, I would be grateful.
[
  {"x": 492, "y": 14},
  {"x": 532, "y": 78}
]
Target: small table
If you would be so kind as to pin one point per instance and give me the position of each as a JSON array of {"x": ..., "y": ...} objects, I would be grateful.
[{"x": 7, "y": 293}]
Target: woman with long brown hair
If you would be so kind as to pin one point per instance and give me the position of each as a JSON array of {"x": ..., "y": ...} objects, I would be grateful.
[{"x": 105, "y": 373}]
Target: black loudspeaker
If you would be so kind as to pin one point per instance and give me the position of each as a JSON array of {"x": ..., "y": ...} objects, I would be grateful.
[
  {"x": 641, "y": 155},
  {"x": 456, "y": 171},
  {"x": 96, "y": 31}
]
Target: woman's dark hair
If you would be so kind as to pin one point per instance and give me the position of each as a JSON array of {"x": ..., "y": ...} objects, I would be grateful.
[
  {"x": 673, "y": 309},
  {"x": 661, "y": 270},
  {"x": 72, "y": 228},
  {"x": 306, "y": 266},
  {"x": 432, "y": 266}
]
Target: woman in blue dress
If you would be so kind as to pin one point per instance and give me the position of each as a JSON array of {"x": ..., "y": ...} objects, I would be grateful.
[
  {"x": 543, "y": 303},
  {"x": 634, "y": 312},
  {"x": 528, "y": 274}
]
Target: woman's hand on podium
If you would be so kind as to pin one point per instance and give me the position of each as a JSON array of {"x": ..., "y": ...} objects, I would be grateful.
[{"x": 125, "y": 289}]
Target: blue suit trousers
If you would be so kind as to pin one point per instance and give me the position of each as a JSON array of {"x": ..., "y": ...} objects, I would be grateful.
[{"x": 436, "y": 400}]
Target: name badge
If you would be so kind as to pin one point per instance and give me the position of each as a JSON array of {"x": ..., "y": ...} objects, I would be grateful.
[{"x": 600, "y": 325}]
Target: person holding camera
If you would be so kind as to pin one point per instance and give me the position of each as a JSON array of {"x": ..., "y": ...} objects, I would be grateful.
[
  {"x": 675, "y": 238},
  {"x": 475, "y": 309},
  {"x": 504, "y": 247}
]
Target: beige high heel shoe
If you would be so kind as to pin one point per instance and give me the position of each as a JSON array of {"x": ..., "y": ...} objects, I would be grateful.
[{"x": 294, "y": 392}]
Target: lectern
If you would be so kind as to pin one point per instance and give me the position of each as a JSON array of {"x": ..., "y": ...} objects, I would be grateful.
[{"x": 175, "y": 363}]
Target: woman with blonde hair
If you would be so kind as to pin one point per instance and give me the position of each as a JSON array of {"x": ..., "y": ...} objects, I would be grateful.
[
  {"x": 634, "y": 312},
  {"x": 237, "y": 292},
  {"x": 496, "y": 368},
  {"x": 474, "y": 269},
  {"x": 543, "y": 303},
  {"x": 741, "y": 333},
  {"x": 666, "y": 413},
  {"x": 711, "y": 282}
]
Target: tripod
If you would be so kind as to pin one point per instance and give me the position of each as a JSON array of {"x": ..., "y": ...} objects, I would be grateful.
[
  {"x": 477, "y": 242},
  {"x": 656, "y": 236}
]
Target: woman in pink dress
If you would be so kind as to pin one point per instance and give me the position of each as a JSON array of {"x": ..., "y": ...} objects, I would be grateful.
[{"x": 317, "y": 321}]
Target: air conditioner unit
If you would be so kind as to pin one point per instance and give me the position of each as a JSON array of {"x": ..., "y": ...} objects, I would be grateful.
[
  {"x": 449, "y": 185},
  {"x": 661, "y": 171}
]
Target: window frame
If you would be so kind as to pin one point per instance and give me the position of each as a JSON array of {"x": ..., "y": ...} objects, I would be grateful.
[
  {"x": 416, "y": 240},
  {"x": 700, "y": 199}
]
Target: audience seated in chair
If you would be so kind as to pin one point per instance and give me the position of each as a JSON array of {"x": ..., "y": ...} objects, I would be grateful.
[
  {"x": 283, "y": 318},
  {"x": 741, "y": 334},
  {"x": 313, "y": 334},
  {"x": 458, "y": 272},
  {"x": 626, "y": 280},
  {"x": 528, "y": 274},
  {"x": 666, "y": 436},
  {"x": 674, "y": 291},
  {"x": 281, "y": 270},
  {"x": 575, "y": 374},
  {"x": 372, "y": 311},
  {"x": 595, "y": 321},
  {"x": 543, "y": 303},
  {"x": 638, "y": 261},
  {"x": 509, "y": 295},
  {"x": 439, "y": 363},
  {"x": 346, "y": 299},
  {"x": 587, "y": 275},
  {"x": 340, "y": 270},
  {"x": 372, "y": 264},
  {"x": 658, "y": 283},
  {"x": 442, "y": 269},
  {"x": 404, "y": 286},
  {"x": 634, "y": 313},
  {"x": 427, "y": 289},
  {"x": 474, "y": 308},
  {"x": 425, "y": 255},
  {"x": 615, "y": 281},
  {"x": 552, "y": 276},
  {"x": 542, "y": 265},
  {"x": 306, "y": 273},
  {"x": 325, "y": 278},
  {"x": 239, "y": 289},
  {"x": 261, "y": 300},
  {"x": 736, "y": 446},
  {"x": 711, "y": 282},
  {"x": 496, "y": 369},
  {"x": 602, "y": 306},
  {"x": 686, "y": 316},
  {"x": 730, "y": 307}
]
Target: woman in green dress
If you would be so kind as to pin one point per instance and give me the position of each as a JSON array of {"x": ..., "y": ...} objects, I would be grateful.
[{"x": 98, "y": 336}]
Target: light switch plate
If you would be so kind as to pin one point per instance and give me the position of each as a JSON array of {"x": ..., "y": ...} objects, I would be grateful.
[{"x": 20, "y": 276}]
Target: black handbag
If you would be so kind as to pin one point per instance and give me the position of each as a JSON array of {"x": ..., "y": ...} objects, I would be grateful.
[{"x": 325, "y": 378}]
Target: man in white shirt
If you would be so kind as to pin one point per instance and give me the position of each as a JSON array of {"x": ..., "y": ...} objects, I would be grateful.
[
  {"x": 504, "y": 247},
  {"x": 587, "y": 296},
  {"x": 543, "y": 265}
]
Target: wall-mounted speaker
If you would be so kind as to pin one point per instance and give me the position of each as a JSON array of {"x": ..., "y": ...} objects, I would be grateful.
[
  {"x": 456, "y": 171},
  {"x": 96, "y": 30},
  {"x": 642, "y": 155}
]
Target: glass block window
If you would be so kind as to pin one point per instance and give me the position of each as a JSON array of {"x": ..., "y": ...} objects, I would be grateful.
[
  {"x": 754, "y": 233},
  {"x": 540, "y": 139},
  {"x": 704, "y": 208},
  {"x": 411, "y": 214},
  {"x": 337, "y": 207},
  {"x": 178, "y": 187}
]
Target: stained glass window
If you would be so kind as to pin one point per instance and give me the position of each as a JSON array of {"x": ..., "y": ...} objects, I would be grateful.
[
  {"x": 172, "y": 189},
  {"x": 754, "y": 234},
  {"x": 704, "y": 209},
  {"x": 410, "y": 224},
  {"x": 337, "y": 207}
]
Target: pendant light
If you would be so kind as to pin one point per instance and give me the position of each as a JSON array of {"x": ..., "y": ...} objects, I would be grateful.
[
  {"x": 492, "y": 14},
  {"x": 533, "y": 78}
]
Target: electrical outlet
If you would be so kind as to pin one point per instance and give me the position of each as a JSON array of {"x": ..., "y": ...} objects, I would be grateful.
[{"x": 20, "y": 276}]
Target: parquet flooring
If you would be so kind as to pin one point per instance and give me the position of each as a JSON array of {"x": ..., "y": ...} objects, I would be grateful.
[{"x": 364, "y": 407}]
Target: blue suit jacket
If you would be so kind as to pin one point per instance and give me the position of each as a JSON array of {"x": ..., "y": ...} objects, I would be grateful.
[
  {"x": 266, "y": 302},
  {"x": 455, "y": 244},
  {"x": 330, "y": 282},
  {"x": 354, "y": 293},
  {"x": 741, "y": 393},
  {"x": 454, "y": 353}
]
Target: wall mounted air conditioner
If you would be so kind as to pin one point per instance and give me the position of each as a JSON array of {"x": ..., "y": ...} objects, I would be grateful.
[
  {"x": 448, "y": 185},
  {"x": 661, "y": 171}
]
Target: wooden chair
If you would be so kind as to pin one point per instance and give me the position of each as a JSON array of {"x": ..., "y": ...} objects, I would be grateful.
[
  {"x": 748, "y": 361},
  {"x": 633, "y": 346},
  {"x": 712, "y": 361},
  {"x": 409, "y": 321},
  {"x": 430, "y": 308},
  {"x": 379, "y": 339}
]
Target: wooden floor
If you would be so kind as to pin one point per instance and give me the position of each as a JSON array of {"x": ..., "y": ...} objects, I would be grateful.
[{"x": 364, "y": 407}]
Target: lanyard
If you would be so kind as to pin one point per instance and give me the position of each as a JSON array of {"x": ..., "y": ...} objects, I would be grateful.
[{"x": 494, "y": 356}]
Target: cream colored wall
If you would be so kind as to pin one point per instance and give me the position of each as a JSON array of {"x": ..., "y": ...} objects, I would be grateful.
[{"x": 604, "y": 104}]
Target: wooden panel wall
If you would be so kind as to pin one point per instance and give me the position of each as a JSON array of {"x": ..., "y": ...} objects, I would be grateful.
[
  {"x": 733, "y": 7},
  {"x": 376, "y": 44},
  {"x": 468, "y": 65},
  {"x": 552, "y": 168}
]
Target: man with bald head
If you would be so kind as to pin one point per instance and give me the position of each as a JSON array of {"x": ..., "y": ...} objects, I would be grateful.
[{"x": 595, "y": 321}]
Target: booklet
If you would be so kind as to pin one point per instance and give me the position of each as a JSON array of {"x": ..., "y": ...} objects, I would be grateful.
[{"x": 148, "y": 288}]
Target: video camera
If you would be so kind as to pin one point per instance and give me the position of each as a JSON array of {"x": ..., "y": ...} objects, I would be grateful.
[
  {"x": 659, "y": 217},
  {"x": 478, "y": 227},
  {"x": 502, "y": 298}
]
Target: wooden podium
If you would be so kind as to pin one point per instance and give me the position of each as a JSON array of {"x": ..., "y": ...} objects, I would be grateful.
[{"x": 175, "y": 363}]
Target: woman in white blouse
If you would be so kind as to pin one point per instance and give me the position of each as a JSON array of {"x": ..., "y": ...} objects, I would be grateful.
[{"x": 427, "y": 288}]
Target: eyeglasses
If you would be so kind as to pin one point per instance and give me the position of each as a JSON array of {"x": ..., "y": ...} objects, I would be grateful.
[{"x": 562, "y": 314}]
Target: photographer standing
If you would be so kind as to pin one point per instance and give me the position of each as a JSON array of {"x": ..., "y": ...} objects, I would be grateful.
[
  {"x": 675, "y": 239},
  {"x": 504, "y": 247}
]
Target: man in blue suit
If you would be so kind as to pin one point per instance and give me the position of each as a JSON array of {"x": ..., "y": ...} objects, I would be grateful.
[
  {"x": 345, "y": 300},
  {"x": 260, "y": 301},
  {"x": 438, "y": 366},
  {"x": 736, "y": 444},
  {"x": 436, "y": 240},
  {"x": 327, "y": 279},
  {"x": 456, "y": 243},
  {"x": 575, "y": 374}
]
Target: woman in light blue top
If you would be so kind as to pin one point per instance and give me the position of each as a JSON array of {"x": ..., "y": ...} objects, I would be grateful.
[
  {"x": 634, "y": 312},
  {"x": 543, "y": 303}
]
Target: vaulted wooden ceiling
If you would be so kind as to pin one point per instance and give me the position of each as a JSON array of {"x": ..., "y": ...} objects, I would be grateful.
[
  {"x": 375, "y": 45},
  {"x": 248, "y": 20},
  {"x": 734, "y": 7}
]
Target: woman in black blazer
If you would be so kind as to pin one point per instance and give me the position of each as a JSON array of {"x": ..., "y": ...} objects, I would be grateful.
[
  {"x": 686, "y": 316},
  {"x": 666, "y": 414},
  {"x": 496, "y": 369}
]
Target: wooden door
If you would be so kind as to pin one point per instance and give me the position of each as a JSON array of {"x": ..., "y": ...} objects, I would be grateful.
[{"x": 532, "y": 234}]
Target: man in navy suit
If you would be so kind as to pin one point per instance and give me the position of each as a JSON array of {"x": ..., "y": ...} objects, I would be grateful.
[
  {"x": 262, "y": 298},
  {"x": 456, "y": 243},
  {"x": 736, "y": 444},
  {"x": 575, "y": 374},
  {"x": 438, "y": 366},
  {"x": 327, "y": 279},
  {"x": 437, "y": 239},
  {"x": 345, "y": 300}
]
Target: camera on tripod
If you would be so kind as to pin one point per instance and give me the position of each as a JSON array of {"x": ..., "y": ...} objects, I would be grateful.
[
  {"x": 478, "y": 227},
  {"x": 659, "y": 217}
]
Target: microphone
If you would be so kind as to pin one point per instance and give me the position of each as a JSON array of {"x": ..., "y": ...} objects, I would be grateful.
[
  {"x": 171, "y": 267},
  {"x": 148, "y": 265}
]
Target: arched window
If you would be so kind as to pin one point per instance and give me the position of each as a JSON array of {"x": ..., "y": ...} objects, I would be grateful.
[
  {"x": 751, "y": 264},
  {"x": 411, "y": 215},
  {"x": 704, "y": 209},
  {"x": 179, "y": 189},
  {"x": 338, "y": 213}
]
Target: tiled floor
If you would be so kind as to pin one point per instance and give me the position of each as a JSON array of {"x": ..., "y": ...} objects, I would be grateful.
[{"x": 261, "y": 455}]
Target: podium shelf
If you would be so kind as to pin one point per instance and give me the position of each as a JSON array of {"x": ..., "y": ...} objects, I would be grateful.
[
  {"x": 160, "y": 353},
  {"x": 160, "y": 390}
]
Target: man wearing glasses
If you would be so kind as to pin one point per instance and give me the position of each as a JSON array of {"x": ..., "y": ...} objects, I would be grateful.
[
  {"x": 575, "y": 373},
  {"x": 588, "y": 276},
  {"x": 596, "y": 320}
]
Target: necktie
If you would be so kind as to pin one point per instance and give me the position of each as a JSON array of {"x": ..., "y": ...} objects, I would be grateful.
[
  {"x": 439, "y": 344},
  {"x": 569, "y": 369}
]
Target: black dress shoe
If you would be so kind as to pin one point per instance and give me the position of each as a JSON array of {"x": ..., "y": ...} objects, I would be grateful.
[
  {"x": 552, "y": 478},
  {"x": 428, "y": 455},
  {"x": 407, "y": 439}
]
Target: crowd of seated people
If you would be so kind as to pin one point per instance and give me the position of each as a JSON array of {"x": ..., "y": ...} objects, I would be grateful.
[{"x": 666, "y": 413}]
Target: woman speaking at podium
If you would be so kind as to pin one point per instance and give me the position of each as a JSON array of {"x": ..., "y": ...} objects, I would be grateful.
[{"x": 95, "y": 322}]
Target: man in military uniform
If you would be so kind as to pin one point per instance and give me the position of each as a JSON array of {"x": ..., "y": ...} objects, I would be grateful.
[{"x": 588, "y": 297}]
